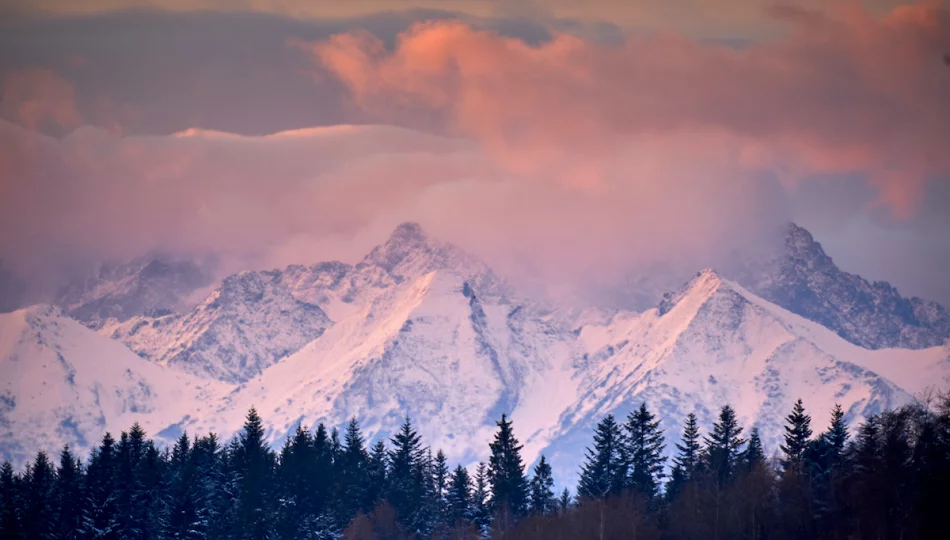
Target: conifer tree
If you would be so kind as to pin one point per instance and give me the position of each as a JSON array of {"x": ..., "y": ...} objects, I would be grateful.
[
  {"x": 604, "y": 471},
  {"x": 754, "y": 454},
  {"x": 376, "y": 475},
  {"x": 542, "y": 489},
  {"x": 797, "y": 435},
  {"x": 687, "y": 457},
  {"x": 459, "y": 499},
  {"x": 255, "y": 466},
  {"x": 724, "y": 444},
  {"x": 564, "y": 501},
  {"x": 509, "y": 490},
  {"x": 352, "y": 472},
  {"x": 481, "y": 509},
  {"x": 183, "y": 508},
  {"x": 836, "y": 436},
  {"x": 101, "y": 518},
  {"x": 407, "y": 488},
  {"x": 440, "y": 486},
  {"x": 69, "y": 496},
  {"x": 644, "y": 450},
  {"x": 10, "y": 526},
  {"x": 39, "y": 496}
]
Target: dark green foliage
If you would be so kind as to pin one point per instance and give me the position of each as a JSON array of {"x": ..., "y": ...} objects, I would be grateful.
[
  {"x": 889, "y": 482},
  {"x": 509, "y": 488},
  {"x": 542, "y": 489},
  {"x": 644, "y": 451},
  {"x": 797, "y": 436},
  {"x": 604, "y": 471}
]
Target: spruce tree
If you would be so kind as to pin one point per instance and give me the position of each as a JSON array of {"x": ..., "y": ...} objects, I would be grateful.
[
  {"x": 183, "y": 508},
  {"x": 407, "y": 488},
  {"x": 69, "y": 496},
  {"x": 10, "y": 501},
  {"x": 724, "y": 444},
  {"x": 797, "y": 435},
  {"x": 459, "y": 499},
  {"x": 644, "y": 451},
  {"x": 352, "y": 472},
  {"x": 542, "y": 489},
  {"x": 481, "y": 509},
  {"x": 836, "y": 436},
  {"x": 376, "y": 480},
  {"x": 255, "y": 466},
  {"x": 564, "y": 501},
  {"x": 604, "y": 470},
  {"x": 101, "y": 518},
  {"x": 509, "y": 490},
  {"x": 39, "y": 498},
  {"x": 440, "y": 486},
  {"x": 687, "y": 459},
  {"x": 754, "y": 454}
]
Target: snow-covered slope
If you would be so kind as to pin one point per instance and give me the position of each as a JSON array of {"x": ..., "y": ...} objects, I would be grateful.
[
  {"x": 715, "y": 343},
  {"x": 247, "y": 324},
  {"x": 421, "y": 328},
  {"x": 61, "y": 382}
]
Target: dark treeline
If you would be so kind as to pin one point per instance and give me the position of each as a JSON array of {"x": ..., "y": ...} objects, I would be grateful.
[{"x": 889, "y": 480}]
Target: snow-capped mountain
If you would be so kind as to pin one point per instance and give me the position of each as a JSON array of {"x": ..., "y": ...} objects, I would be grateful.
[
  {"x": 60, "y": 383},
  {"x": 421, "y": 328},
  {"x": 715, "y": 342},
  {"x": 806, "y": 281},
  {"x": 245, "y": 325},
  {"x": 147, "y": 285}
]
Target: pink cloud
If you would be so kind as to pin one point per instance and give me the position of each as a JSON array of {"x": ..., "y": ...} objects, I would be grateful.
[
  {"x": 35, "y": 97},
  {"x": 844, "y": 92}
]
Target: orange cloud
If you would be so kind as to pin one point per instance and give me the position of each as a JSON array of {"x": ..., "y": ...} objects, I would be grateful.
[
  {"x": 36, "y": 98},
  {"x": 845, "y": 91}
]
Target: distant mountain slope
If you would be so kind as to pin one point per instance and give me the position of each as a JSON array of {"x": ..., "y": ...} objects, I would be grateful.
[
  {"x": 714, "y": 343},
  {"x": 806, "y": 281},
  {"x": 61, "y": 382},
  {"x": 148, "y": 285}
]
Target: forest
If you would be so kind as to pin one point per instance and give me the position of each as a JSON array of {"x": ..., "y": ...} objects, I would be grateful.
[{"x": 887, "y": 478}]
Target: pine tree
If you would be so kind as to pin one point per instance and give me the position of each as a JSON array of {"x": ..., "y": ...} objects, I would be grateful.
[
  {"x": 509, "y": 491},
  {"x": 754, "y": 454},
  {"x": 406, "y": 482},
  {"x": 564, "y": 501},
  {"x": 183, "y": 507},
  {"x": 101, "y": 518},
  {"x": 255, "y": 466},
  {"x": 459, "y": 499},
  {"x": 836, "y": 436},
  {"x": 644, "y": 450},
  {"x": 376, "y": 475},
  {"x": 481, "y": 509},
  {"x": 10, "y": 526},
  {"x": 352, "y": 471},
  {"x": 542, "y": 489},
  {"x": 797, "y": 435},
  {"x": 724, "y": 445},
  {"x": 687, "y": 458},
  {"x": 69, "y": 496},
  {"x": 604, "y": 470},
  {"x": 440, "y": 486},
  {"x": 39, "y": 498}
]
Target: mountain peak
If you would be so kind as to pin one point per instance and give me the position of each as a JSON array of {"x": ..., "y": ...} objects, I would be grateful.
[
  {"x": 408, "y": 232},
  {"x": 703, "y": 285}
]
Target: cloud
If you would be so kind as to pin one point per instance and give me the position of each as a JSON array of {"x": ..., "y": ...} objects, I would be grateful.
[
  {"x": 39, "y": 98},
  {"x": 844, "y": 92}
]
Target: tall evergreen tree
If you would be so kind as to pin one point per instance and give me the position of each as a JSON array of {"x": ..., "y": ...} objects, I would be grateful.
[
  {"x": 836, "y": 436},
  {"x": 724, "y": 445},
  {"x": 542, "y": 489},
  {"x": 440, "y": 486},
  {"x": 39, "y": 499},
  {"x": 644, "y": 450},
  {"x": 407, "y": 487},
  {"x": 255, "y": 463},
  {"x": 604, "y": 470},
  {"x": 69, "y": 496},
  {"x": 687, "y": 459},
  {"x": 352, "y": 472},
  {"x": 101, "y": 518},
  {"x": 797, "y": 435},
  {"x": 481, "y": 508},
  {"x": 10, "y": 526},
  {"x": 459, "y": 499},
  {"x": 754, "y": 454},
  {"x": 509, "y": 490},
  {"x": 376, "y": 475}
]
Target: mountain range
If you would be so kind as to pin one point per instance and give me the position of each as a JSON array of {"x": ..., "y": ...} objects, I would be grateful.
[{"x": 421, "y": 328}]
